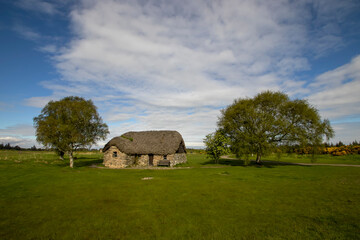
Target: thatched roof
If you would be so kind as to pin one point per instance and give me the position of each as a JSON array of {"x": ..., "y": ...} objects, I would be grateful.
[{"x": 148, "y": 142}]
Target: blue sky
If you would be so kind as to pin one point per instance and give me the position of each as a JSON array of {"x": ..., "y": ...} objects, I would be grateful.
[{"x": 155, "y": 65}]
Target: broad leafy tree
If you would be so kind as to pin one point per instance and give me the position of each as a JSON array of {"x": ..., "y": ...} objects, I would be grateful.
[
  {"x": 256, "y": 125},
  {"x": 68, "y": 124},
  {"x": 217, "y": 144}
]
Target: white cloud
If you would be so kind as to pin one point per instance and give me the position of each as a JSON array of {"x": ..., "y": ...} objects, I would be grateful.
[
  {"x": 328, "y": 16},
  {"x": 193, "y": 124},
  {"x": 50, "y": 48},
  {"x": 346, "y": 132},
  {"x": 22, "y": 142},
  {"x": 336, "y": 92},
  {"x": 152, "y": 55},
  {"x": 174, "y": 64},
  {"x": 26, "y": 32},
  {"x": 19, "y": 129},
  {"x": 39, "y": 101},
  {"x": 38, "y": 6},
  {"x": 19, "y": 134}
]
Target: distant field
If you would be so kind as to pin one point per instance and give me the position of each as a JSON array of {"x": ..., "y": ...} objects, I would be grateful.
[
  {"x": 321, "y": 158},
  {"x": 42, "y": 198}
]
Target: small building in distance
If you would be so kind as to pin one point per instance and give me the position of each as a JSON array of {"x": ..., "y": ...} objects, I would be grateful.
[{"x": 146, "y": 148}]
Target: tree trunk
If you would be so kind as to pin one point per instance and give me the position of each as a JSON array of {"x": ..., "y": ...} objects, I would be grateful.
[
  {"x": 61, "y": 154},
  {"x": 258, "y": 158},
  {"x": 71, "y": 159}
]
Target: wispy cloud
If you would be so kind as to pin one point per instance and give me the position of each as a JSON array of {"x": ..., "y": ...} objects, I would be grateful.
[
  {"x": 19, "y": 141},
  {"x": 347, "y": 132},
  {"x": 47, "y": 7},
  {"x": 19, "y": 134},
  {"x": 26, "y": 32},
  {"x": 40, "y": 102},
  {"x": 336, "y": 92},
  {"x": 188, "y": 54},
  {"x": 19, "y": 129},
  {"x": 174, "y": 64},
  {"x": 50, "y": 48}
]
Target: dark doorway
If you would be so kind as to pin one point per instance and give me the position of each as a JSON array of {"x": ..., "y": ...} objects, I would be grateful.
[{"x": 151, "y": 159}]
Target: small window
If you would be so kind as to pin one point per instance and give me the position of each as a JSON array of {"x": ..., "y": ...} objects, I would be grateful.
[
  {"x": 165, "y": 157},
  {"x": 114, "y": 154}
]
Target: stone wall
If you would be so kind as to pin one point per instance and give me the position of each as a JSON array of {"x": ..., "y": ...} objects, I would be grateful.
[
  {"x": 143, "y": 161},
  {"x": 179, "y": 158},
  {"x": 123, "y": 160}
]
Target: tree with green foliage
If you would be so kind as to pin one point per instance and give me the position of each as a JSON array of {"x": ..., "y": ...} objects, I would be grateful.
[
  {"x": 68, "y": 124},
  {"x": 217, "y": 144},
  {"x": 257, "y": 125}
]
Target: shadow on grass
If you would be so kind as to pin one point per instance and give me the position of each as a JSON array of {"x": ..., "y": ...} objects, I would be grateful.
[
  {"x": 81, "y": 162},
  {"x": 86, "y": 162},
  {"x": 252, "y": 163}
]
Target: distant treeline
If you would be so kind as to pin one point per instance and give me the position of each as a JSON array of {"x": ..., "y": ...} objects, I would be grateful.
[
  {"x": 340, "y": 144},
  {"x": 34, "y": 148},
  {"x": 337, "y": 149},
  {"x": 195, "y": 150},
  {"x": 9, "y": 147}
]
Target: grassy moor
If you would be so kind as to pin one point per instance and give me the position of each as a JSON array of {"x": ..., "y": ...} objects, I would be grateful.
[{"x": 43, "y": 198}]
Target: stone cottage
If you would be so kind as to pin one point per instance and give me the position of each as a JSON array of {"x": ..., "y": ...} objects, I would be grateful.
[{"x": 147, "y": 148}]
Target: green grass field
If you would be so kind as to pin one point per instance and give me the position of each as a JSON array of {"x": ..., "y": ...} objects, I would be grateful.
[
  {"x": 294, "y": 158},
  {"x": 42, "y": 198}
]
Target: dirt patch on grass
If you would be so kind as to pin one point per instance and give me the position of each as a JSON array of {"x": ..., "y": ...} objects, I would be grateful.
[{"x": 150, "y": 168}]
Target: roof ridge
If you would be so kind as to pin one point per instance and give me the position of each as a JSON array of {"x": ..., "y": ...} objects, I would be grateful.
[{"x": 161, "y": 142}]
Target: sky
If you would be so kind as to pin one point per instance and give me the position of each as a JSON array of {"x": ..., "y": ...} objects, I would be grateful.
[{"x": 173, "y": 65}]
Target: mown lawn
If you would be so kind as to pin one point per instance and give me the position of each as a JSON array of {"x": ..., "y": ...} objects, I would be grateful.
[{"x": 42, "y": 198}]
